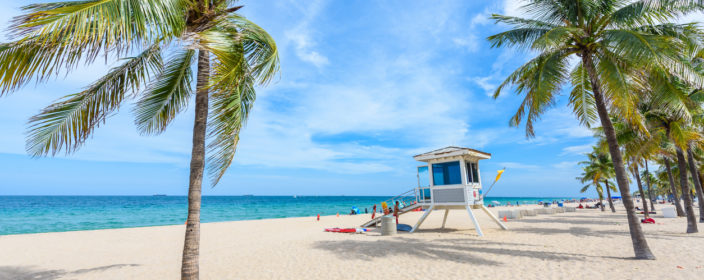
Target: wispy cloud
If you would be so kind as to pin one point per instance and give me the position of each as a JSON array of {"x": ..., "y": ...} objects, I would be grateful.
[
  {"x": 302, "y": 34},
  {"x": 518, "y": 165},
  {"x": 576, "y": 150},
  {"x": 565, "y": 165}
]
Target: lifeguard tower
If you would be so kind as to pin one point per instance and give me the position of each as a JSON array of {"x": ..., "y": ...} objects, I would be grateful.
[{"x": 449, "y": 180}]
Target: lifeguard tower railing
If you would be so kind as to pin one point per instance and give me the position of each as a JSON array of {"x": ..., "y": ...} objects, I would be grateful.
[{"x": 406, "y": 199}]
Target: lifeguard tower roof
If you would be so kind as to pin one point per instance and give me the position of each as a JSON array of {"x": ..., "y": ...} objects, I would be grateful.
[{"x": 452, "y": 151}]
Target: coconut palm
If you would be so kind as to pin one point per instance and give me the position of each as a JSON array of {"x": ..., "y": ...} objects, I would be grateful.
[
  {"x": 695, "y": 180},
  {"x": 231, "y": 54},
  {"x": 635, "y": 146},
  {"x": 673, "y": 189},
  {"x": 597, "y": 168},
  {"x": 673, "y": 124},
  {"x": 649, "y": 181},
  {"x": 695, "y": 127},
  {"x": 585, "y": 178},
  {"x": 611, "y": 39}
]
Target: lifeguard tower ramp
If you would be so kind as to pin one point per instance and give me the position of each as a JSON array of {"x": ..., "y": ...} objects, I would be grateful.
[{"x": 449, "y": 180}]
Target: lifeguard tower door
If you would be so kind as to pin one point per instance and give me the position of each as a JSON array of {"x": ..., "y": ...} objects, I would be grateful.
[{"x": 423, "y": 194}]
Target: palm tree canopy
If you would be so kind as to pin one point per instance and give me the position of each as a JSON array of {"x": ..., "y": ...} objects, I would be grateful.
[
  {"x": 54, "y": 38},
  {"x": 597, "y": 168},
  {"x": 621, "y": 37}
]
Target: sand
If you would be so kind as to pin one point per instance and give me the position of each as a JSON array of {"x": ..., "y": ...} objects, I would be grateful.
[{"x": 588, "y": 244}]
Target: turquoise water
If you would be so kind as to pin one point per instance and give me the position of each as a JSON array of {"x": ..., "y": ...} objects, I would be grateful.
[{"x": 35, "y": 214}]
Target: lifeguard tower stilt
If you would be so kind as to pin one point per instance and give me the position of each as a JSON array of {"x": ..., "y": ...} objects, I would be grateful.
[{"x": 450, "y": 180}]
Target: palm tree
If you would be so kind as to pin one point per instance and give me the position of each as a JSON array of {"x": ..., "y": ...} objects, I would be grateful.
[
  {"x": 695, "y": 179},
  {"x": 670, "y": 117},
  {"x": 232, "y": 56},
  {"x": 599, "y": 167},
  {"x": 673, "y": 189},
  {"x": 612, "y": 39},
  {"x": 649, "y": 183},
  {"x": 584, "y": 178},
  {"x": 636, "y": 146}
]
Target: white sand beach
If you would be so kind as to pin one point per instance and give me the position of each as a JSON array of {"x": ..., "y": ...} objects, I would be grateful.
[{"x": 588, "y": 244}]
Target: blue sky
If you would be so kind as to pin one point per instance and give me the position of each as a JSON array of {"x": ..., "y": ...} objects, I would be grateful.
[{"x": 364, "y": 86}]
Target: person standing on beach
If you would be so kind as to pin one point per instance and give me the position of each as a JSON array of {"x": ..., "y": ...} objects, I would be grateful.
[{"x": 396, "y": 211}]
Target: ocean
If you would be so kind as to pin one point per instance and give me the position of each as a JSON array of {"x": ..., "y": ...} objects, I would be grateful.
[{"x": 36, "y": 214}]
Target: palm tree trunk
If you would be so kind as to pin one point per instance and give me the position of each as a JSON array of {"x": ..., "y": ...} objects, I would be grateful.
[
  {"x": 608, "y": 192},
  {"x": 673, "y": 189},
  {"x": 640, "y": 245},
  {"x": 640, "y": 189},
  {"x": 697, "y": 183},
  {"x": 684, "y": 185},
  {"x": 647, "y": 182},
  {"x": 601, "y": 201},
  {"x": 191, "y": 245},
  {"x": 701, "y": 180}
]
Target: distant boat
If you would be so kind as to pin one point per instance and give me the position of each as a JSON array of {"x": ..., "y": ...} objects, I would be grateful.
[
  {"x": 159, "y": 194},
  {"x": 248, "y": 195}
]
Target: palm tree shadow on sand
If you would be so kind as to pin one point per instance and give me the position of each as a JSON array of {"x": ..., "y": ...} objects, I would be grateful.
[
  {"x": 34, "y": 273},
  {"x": 466, "y": 251}
]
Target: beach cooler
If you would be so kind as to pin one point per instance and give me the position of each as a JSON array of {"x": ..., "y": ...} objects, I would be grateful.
[{"x": 669, "y": 212}]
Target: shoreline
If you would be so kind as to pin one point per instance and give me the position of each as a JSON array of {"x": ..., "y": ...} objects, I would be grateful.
[{"x": 228, "y": 221}]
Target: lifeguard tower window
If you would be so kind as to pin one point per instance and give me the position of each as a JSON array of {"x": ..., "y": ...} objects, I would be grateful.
[
  {"x": 472, "y": 174},
  {"x": 423, "y": 176},
  {"x": 447, "y": 173}
]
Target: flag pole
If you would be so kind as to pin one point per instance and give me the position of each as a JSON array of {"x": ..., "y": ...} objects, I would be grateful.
[{"x": 498, "y": 175}]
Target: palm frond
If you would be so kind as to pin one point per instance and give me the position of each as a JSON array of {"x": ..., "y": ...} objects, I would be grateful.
[
  {"x": 111, "y": 22},
  {"x": 645, "y": 12},
  {"x": 69, "y": 122},
  {"x": 540, "y": 80},
  {"x": 237, "y": 36},
  {"x": 582, "y": 98},
  {"x": 55, "y": 37},
  {"x": 245, "y": 55},
  {"x": 617, "y": 86},
  {"x": 229, "y": 114},
  {"x": 522, "y": 38},
  {"x": 167, "y": 95}
]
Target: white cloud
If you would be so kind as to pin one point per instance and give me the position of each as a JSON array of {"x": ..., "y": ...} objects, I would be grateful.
[
  {"x": 481, "y": 19},
  {"x": 470, "y": 42},
  {"x": 301, "y": 35},
  {"x": 303, "y": 46},
  {"x": 513, "y": 7},
  {"x": 518, "y": 165},
  {"x": 576, "y": 150},
  {"x": 385, "y": 97},
  {"x": 486, "y": 83},
  {"x": 565, "y": 165}
]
